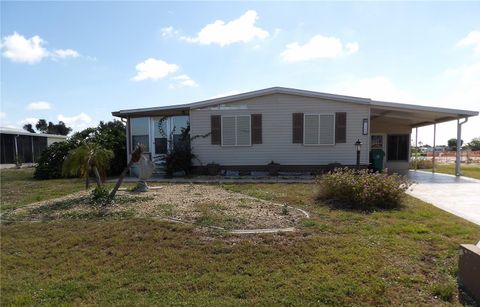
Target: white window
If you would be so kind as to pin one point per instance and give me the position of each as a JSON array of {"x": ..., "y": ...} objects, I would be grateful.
[
  {"x": 139, "y": 131},
  {"x": 236, "y": 130},
  {"x": 319, "y": 129}
]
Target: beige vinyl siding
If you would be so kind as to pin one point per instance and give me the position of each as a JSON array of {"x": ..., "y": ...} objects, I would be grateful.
[{"x": 277, "y": 143}]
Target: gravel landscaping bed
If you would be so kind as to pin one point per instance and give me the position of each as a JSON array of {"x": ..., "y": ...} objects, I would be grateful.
[{"x": 204, "y": 205}]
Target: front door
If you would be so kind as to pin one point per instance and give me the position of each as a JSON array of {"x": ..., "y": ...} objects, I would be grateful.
[
  {"x": 160, "y": 133},
  {"x": 165, "y": 132}
]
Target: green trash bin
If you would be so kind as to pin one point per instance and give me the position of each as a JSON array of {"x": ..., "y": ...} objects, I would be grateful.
[{"x": 376, "y": 159}]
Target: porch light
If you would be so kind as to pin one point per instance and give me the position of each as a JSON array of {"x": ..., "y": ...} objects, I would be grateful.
[{"x": 358, "y": 146}]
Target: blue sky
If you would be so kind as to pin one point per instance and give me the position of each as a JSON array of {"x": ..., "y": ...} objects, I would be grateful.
[{"x": 79, "y": 61}]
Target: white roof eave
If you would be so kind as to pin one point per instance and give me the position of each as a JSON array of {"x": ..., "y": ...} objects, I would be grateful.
[{"x": 298, "y": 92}]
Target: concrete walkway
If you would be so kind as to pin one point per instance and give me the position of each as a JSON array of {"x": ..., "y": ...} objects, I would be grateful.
[{"x": 457, "y": 195}]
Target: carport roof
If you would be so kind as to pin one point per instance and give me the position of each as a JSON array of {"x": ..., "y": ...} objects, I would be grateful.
[
  {"x": 414, "y": 115},
  {"x": 6, "y": 130}
]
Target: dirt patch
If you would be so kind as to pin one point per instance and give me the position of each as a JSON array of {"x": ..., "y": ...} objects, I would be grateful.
[{"x": 205, "y": 205}]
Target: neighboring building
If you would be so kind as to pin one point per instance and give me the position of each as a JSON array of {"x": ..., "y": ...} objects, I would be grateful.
[
  {"x": 25, "y": 145},
  {"x": 301, "y": 130}
]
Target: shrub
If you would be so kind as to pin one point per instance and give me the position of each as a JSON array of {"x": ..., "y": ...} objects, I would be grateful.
[
  {"x": 100, "y": 195},
  {"x": 213, "y": 169},
  {"x": 180, "y": 157},
  {"x": 273, "y": 168},
  {"x": 421, "y": 164},
  {"x": 362, "y": 190},
  {"x": 110, "y": 135},
  {"x": 51, "y": 160}
]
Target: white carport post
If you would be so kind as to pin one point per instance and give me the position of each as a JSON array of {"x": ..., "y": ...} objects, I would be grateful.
[
  {"x": 416, "y": 148},
  {"x": 458, "y": 158},
  {"x": 433, "y": 150}
]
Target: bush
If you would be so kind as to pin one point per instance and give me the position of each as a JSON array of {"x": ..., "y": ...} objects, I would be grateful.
[
  {"x": 213, "y": 169},
  {"x": 110, "y": 135},
  {"x": 100, "y": 195},
  {"x": 362, "y": 190},
  {"x": 51, "y": 160},
  {"x": 273, "y": 168},
  {"x": 421, "y": 164},
  {"x": 180, "y": 157}
]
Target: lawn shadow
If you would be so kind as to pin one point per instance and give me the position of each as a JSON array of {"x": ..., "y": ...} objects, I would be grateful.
[{"x": 335, "y": 204}]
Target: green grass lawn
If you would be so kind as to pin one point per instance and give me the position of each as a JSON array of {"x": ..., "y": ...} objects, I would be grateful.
[
  {"x": 18, "y": 188},
  {"x": 469, "y": 170},
  {"x": 337, "y": 257}
]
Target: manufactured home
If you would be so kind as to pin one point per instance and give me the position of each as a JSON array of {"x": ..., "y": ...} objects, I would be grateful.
[
  {"x": 18, "y": 145},
  {"x": 298, "y": 129}
]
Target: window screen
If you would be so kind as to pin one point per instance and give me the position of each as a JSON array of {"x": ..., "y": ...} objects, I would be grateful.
[
  {"x": 311, "y": 129},
  {"x": 228, "y": 131},
  {"x": 236, "y": 130},
  {"x": 243, "y": 130},
  {"x": 139, "y": 131},
  {"x": 319, "y": 129},
  {"x": 397, "y": 147}
]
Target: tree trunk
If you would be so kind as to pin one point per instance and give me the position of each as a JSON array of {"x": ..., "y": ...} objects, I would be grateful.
[
  {"x": 136, "y": 156},
  {"x": 98, "y": 179},
  {"x": 120, "y": 179}
]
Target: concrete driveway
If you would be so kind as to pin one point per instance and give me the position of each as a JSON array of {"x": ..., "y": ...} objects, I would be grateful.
[{"x": 457, "y": 195}]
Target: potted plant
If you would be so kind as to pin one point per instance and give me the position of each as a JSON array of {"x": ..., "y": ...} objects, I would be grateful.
[{"x": 273, "y": 168}]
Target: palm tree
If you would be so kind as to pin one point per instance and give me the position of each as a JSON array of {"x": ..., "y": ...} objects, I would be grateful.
[{"x": 87, "y": 158}]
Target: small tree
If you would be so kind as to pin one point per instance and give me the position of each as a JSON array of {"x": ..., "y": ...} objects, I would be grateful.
[
  {"x": 452, "y": 143},
  {"x": 51, "y": 128},
  {"x": 29, "y": 128},
  {"x": 42, "y": 126},
  {"x": 88, "y": 158},
  {"x": 475, "y": 144}
]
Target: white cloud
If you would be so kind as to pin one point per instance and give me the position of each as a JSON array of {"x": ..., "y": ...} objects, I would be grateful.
[
  {"x": 168, "y": 32},
  {"x": 39, "y": 105},
  {"x": 76, "y": 122},
  {"x": 153, "y": 69},
  {"x": 183, "y": 81},
  {"x": 19, "y": 49},
  {"x": 318, "y": 47},
  {"x": 223, "y": 33},
  {"x": 471, "y": 40},
  {"x": 65, "y": 53},
  {"x": 3, "y": 115},
  {"x": 378, "y": 88}
]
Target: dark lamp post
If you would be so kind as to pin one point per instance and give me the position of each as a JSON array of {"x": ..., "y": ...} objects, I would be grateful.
[{"x": 358, "y": 147}]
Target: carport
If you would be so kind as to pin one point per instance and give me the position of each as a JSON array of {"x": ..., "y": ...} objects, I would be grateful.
[{"x": 391, "y": 117}]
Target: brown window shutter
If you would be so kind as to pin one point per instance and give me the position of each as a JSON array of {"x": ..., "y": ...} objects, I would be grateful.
[
  {"x": 297, "y": 128},
  {"x": 256, "y": 128},
  {"x": 216, "y": 129},
  {"x": 340, "y": 127}
]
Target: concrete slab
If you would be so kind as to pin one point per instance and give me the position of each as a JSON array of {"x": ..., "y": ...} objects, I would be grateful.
[{"x": 457, "y": 195}]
